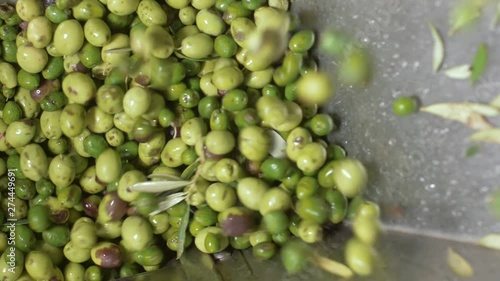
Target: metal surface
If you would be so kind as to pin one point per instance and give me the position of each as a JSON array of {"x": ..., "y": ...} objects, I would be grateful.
[{"x": 418, "y": 172}]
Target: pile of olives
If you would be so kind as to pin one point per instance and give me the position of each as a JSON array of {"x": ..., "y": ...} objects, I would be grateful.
[{"x": 98, "y": 96}]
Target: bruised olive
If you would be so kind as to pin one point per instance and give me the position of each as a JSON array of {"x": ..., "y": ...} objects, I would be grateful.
[
  {"x": 237, "y": 221},
  {"x": 91, "y": 205},
  {"x": 112, "y": 207},
  {"x": 106, "y": 255}
]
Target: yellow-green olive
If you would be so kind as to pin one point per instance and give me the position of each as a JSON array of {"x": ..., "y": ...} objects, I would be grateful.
[
  {"x": 34, "y": 163},
  {"x": 121, "y": 7},
  {"x": 79, "y": 87},
  {"x": 29, "y": 9},
  {"x": 97, "y": 32},
  {"x": 117, "y": 41},
  {"x": 31, "y": 59},
  {"x": 127, "y": 180},
  {"x": 50, "y": 124},
  {"x": 62, "y": 171},
  {"x": 68, "y": 37},
  {"x": 150, "y": 12},
  {"x": 76, "y": 254},
  {"x": 39, "y": 32},
  {"x": 73, "y": 120},
  {"x": 108, "y": 166},
  {"x": 39, "y": 265}
]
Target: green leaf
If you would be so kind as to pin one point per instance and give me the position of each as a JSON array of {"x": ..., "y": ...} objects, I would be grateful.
[
  {"x": 438, "y": 54},
  {"x": 165, "y": 177},
  {"x": 479, "y": 63},
  {"x": 471, "y": 151},
  {"x": 489, "y": 135},
  {"x": 182, "y": 232},
  {"x": 278, "y": 145},
  {"x": 159, "y": 186},
  {"x": 19, "y": 222},
  {"x": 170, "y": 201},
  {"x": 494, "y": 203},
  {"x": 182, "y": 56},
  {"x": 190, "y": 170},
  {"x": 491, "y": 241},
  {"x": 463, "y": 14},
  {"x": 459, "y": 265},
  {"x": 119, "y": 50},
  {"x": 460, "y": 72}
]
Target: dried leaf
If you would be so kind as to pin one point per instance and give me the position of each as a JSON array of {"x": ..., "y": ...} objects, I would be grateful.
[
  {"x": 438, "y": 54},
  {"x": 170, "y": 201},
  {"x": 479, "y": 63},
  {"x": 190, "y": 170},
  {"x": 488, "y": 135},
  {"x": 459, "y": 265},
  {"x": 496, "y": 102},
  {"x": 460, "y": 72},
  {"x": 182, "y": 232},
  {"x": 470, "y": 114},
  {"x": 334, "y": 267},
  {"x": 159, "y": 186},
  {"x": 278, "y": 145},
  {"x": 491, "y": 241}
]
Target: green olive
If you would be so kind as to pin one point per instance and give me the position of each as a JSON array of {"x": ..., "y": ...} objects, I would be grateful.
[
  {"x": 20, "y": 133},
  {"x": 254, "y": 143},
  {"x": 349, "y": 176},
  {"x": 76, "y": 254},
  {"x": 79, "y": 88},
  {"x": 251, "y": 191},
  {"x": 39, "y": 265},
  {"x": 39, "y": 32},
  {"x": 137, "y": 233},
  {"x": 197, "y": 46},
  {"x": 108, "y": 166},
  {"x": 74, "y": 272},
  {"x": 117, "y": 41},
  {"x": 62, "y": 171},
  {"x": 359, "y": 257},
  {"x": 208, "y": 232},
  {"x": 29, "y": 9},
  {"x": 275, "y": 199},
  {"x": 34, "y": 163},
  {"x": 31, "y": 59},
  {"x": 73, "y": 120},
  {"x": 97, "y": 32},
  {"x": 150, "y": 12},
  {"x": 57, "y": 235},
  {"x": 220, "y": 196},
  {"x": 68, "y": 37},
  {"x": 122, "y": 8}
]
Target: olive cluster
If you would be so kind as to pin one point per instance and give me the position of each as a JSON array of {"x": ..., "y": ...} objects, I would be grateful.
[{"x": 101, "y": 95}]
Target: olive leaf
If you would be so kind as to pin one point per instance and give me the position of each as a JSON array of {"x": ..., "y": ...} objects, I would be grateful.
[
  {"x": 470, "y": 114},
  {"x": 182, "y": 56},
  {"x": 118, "y": 50},
  {"x": 460, "y": 72},
  {"x": 487, "y": 135},
  {"x": 190, "y": 170},
  {"x": 278, "y": 145},
  {"x": 159, "y": 186},
  {"x": 182, "y": 232},
  {"x": 18, "y": 222},
  {"x": 491, "y": 241},
  {"x": 170, "y": 201},
  {"x": 165, "y": 177},
  {"x": 479, "y": 63},
  {"x": 333, "y": 267},
  {"x": 438, "y": 54},
  {"x": 496, "y": 102},
  {"x": 494, "y": 203},
  {"x": 459, "y": 265},
  {"x": 464, "y": 13},
  {"x": 471, "y": 151}
]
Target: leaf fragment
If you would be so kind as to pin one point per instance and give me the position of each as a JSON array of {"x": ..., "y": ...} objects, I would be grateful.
[
  {"x": 165, "y": 177},
  {"x": 489, "y": 135},
  {"x": 118, "y": 50},
  {"x": 334, "y": 267},
  {"x": 479, "y": 63},
  {"x": 460, "y": 72},
  {"x": 182, "y": 232},
  {"x": 438, "y": 53},
  {"x": 494, "y": 204},
  {"x": 278, "y": 145},
  {"x": 170, "y": 201},
  {"x": 470, "y": 114},
  {"x": 471, "y": 151},
  {"x": 496, "y": 102},
  {"x": 159, "y": 186},
  {"x": 464, "y": 14},
  {"x": 491, "y": 241},
  {"x": 190, "y": 170},
  {"x": 459, "y": 265}
]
